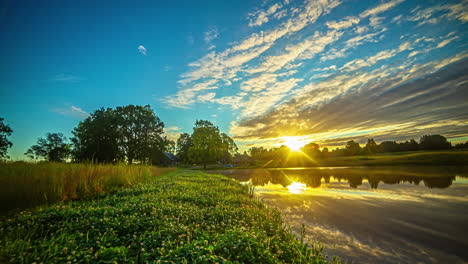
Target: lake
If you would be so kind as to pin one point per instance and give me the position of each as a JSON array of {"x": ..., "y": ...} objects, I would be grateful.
[{"x": 413, "y": 214}]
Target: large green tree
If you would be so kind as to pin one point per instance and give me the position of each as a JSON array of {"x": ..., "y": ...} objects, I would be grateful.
[
  {"x": 259, "y": 153},
  {"x": 371, "y": 147},
  {"x": 96, "y": 138},
  {"x": 431, "y": 142},
  {"x": 51, "y": 148},
  {"x": 312, "y": 150},
  {"x": 5, "y": 132},
  {"x": 129, "y": 133},
  {"x": 208, "y": 144},
  {"x": 352, "y": 148},
  {"x": 229, "y": 148},
  {"x": 140, "y": 132},
  {"x": 184, "y": 142}
]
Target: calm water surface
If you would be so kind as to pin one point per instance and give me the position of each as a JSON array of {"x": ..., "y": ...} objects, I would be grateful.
[{"x": 373, "y": 215}]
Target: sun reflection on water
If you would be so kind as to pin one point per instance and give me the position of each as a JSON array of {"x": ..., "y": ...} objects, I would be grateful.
[{"x": 297, "y": 187}]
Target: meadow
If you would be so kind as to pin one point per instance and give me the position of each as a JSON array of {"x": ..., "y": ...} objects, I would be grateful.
[
  {"x": 26, "y": 185},
  {"x": 424, "y": 157},
  {"x": 179, "y": 217},
  {"x": 455, "y": 157}
]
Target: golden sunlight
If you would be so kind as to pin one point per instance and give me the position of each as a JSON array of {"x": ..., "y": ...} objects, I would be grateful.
[
  {"x": 293, "y": 144},
  {"x": 296, "y": 187}
]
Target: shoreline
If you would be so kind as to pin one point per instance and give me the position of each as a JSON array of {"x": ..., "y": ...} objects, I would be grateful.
[{"x": 180, "y": 216}]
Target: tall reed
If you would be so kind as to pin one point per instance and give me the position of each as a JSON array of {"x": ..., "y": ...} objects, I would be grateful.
[{"x": 24, "y": 184}]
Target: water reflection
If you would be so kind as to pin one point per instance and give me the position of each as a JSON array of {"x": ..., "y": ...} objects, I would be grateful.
[
  {"x": 372, "y": 215},
  {"x": 296, "y": 187},
  {"x": 439, "y": 177}
]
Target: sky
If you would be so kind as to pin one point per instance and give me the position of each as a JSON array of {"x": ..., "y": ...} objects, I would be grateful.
[{"x": 326, "y": 71}]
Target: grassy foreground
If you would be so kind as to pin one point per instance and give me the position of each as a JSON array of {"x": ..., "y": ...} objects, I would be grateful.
[
  {"x": 179, "y": 217},
  {"x": 25, "y": 184}
]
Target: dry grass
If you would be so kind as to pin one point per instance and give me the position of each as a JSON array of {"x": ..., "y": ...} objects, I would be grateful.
[{"x": 24, "y": 184}]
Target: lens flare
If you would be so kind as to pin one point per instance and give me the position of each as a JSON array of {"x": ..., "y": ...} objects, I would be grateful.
[
  {"x": 296, "y": 187},
  {"x": 293, "y": 144}
]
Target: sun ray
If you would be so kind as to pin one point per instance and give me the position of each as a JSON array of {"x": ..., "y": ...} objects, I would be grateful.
[{"x": 293, "y": 144}]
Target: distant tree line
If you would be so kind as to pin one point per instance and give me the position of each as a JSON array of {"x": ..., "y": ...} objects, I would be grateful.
[
  {"x": 352, "y": 148},
  {"x": 131, "y": 134},
  {"x": 135, "y": 134}
]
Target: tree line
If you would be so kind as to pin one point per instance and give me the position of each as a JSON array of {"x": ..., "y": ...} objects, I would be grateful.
[
  {"x": 352, "y": 148},
  {"x": 131, "y": 134},
  {"x": 135, "y": 134}
]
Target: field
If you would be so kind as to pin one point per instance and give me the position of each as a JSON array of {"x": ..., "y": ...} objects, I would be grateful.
[
  {"x": 179, "y": 217},
  {"x": 448, "y": 157},
  {"x": 436, "y": 158},
  {"x": 25, "y": 185}
]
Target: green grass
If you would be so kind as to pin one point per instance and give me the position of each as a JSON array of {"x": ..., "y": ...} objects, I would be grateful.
[
  {"x": 436, "y": 158},
  {"x": 25, "y": 185},
  {"x": 448, "y": 157},
  {"x": 179, "y": 217}
]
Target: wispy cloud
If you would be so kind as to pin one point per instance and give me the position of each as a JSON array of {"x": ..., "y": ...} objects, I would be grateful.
[
  {"x": 72, "y": 111},
  {"x": 210, "y": 35},
  {"x": 142, "y": 50},
  {"x": 391, "y": 103},
  {"x": 380, "y": 8},
  {"x": 260, "y": 17},
  {"x": 66, "y": 78},
  {"x": 435, "y": 14},
  {"x": 225, "y": 66},
  {"x": 323, "y": 78},
  {"x": 345, "y": 23}
]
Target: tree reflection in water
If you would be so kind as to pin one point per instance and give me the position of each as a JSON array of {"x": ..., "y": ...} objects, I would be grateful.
[{"x": 437, "y": 177}]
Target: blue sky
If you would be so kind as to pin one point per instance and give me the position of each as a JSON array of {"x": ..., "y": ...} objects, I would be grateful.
[{"x": 325, "y": 71}]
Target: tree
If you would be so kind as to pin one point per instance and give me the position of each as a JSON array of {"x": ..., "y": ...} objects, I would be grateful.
[
  {"x": 431, "y": 142},
  {"x": 229, "y": 148},
  {"x": 207, "y": 143},
  {"x": 258, "y": 153},
  {"x": 52, "y": 148},
  {"x": 126, "y": 133},
  {"x": 389, "y": 146},
  {"x": 158, "y": 154},
  {"x": 243, "y": 159},
  {"x": 5, "y": 132},
  {"x": 184, "y": 142},
  {"x": 352, "y": 148},
  {"x": 169, "y": 145},
  {"x": 140, "y": 132},
  {"x": 281, "y": 155},
  {"x": 325, "y": 153},
  {"x": 96, "y": 138},
  {"x": 371, "y": 147},
  {"x": 461, "y": 145},
  {"x": 411, "y": 145},
  {"x": 312, "y": 150}
]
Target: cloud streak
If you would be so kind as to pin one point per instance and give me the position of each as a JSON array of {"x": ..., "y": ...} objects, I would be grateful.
[
  {"x": 65, "y": 78},
  {"x": 142, "y": 50},
  {"x": 327, "y": 74},
  {"x": 72, "y": 111}
]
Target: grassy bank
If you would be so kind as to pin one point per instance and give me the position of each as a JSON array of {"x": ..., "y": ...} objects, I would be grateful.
[
  {"x": 433, "y": 158},
  {"x": 448, "y": 157},
  {"x": 25, "y": 185},
  {"x": 179, "y": 217}
]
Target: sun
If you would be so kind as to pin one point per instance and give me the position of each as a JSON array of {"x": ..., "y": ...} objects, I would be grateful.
[{"x": 293, "y": 144}]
